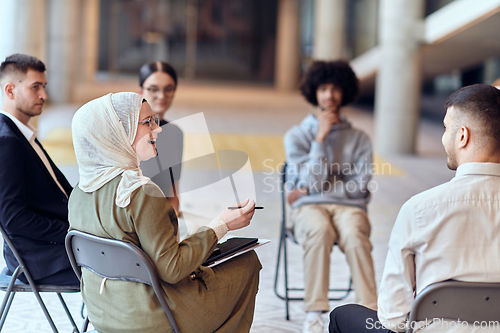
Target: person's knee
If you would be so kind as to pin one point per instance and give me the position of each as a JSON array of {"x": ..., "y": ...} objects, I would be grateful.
[
  {"x": 251, "y": 260},
  {"x": 355, "y": 224},
  {"x": 333, "y": 326},
  {"x": 254, "y": 266},
  {"x": 322, "y": 232},
  {"x": 355, "y": 240},
  {"x": 350, "y": 318},
  {"x": 333, "y": 314}
]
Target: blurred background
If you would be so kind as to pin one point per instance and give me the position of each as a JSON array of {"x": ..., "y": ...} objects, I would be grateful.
[
  {"x": 240, "y": 62},
  {"x": 409, "y": 55}
]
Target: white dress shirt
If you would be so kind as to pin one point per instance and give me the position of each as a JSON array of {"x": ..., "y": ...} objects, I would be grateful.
[
  {"x": 30, "y": 133},
  {"x": 451, "y": 231}
]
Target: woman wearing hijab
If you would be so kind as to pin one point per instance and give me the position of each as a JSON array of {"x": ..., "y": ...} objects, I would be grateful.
[
  {"x": 111, "y": 134},
  {"x": 157, "y": 84}
]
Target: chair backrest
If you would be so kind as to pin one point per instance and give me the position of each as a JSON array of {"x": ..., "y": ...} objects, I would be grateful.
[
  {"x": 466, "y": 301},
  {"x": 114, "y": 259},
  {"x": 22, "y": 266},
  {"x": 11, "y": 246},
  {"x": 286, "y": 231},
  {"x": 283, "y": 190}
]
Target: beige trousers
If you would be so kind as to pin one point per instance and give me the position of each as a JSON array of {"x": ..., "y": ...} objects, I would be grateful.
[{"x": 317, "y": 228}]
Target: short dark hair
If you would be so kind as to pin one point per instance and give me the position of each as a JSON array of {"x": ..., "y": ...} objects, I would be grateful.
[
  {"x": 337, "y": 72},
  {"x": 20, "y": 63},
  {"x": 480, "y": 102},
  {"x": 156, "y": 66}
]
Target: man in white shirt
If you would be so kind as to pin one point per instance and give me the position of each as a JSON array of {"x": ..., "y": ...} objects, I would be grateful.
[
  {"x": 451, "y": 231},
  {"x": 33, "y": 192}
]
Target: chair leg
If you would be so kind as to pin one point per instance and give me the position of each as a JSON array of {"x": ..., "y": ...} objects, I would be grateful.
[
  {"x": 9, "y": 297},
  {"x": 38, "y": 297},
  {"x": 85, "y": 324},
  {"x": 81, "y": 310},
  {"x": 278, "y": 269},
  {"x": 45, "y": 311},
  {"x": 8, "y": 291},
  {"x": 6, "y": 307},
  {"x": 6, "y": 300},
  {"x": 285, "y": 259},
  {"x": 70, "y": 317},
  {"x": 285, "y": 297}
]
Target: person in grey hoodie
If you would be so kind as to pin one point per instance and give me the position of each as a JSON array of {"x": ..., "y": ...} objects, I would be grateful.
[{"x": 329, "y": 168}]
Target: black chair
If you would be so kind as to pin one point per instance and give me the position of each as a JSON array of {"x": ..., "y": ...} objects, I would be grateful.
[
  {"x": 285, "y": 234},
  {"x": 12, "y": 285},
  {"x": 468, "y": 301},
  {"x": 117, "y": 260}
]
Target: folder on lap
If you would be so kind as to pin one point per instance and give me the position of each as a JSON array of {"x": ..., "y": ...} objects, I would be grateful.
[{"x": 233, "y": 247}]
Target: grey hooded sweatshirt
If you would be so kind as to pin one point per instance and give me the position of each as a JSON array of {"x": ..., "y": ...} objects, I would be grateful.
[{"x": 336, "y": 171}]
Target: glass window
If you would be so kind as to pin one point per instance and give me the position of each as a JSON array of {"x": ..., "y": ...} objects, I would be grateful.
[{"x": 209, "y": 39}]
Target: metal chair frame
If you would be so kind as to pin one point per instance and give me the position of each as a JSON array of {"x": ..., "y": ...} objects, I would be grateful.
[
  {"x": 117, "y": 260},
  {"x": 466, "y": 301},
  {"x": 285, "y": 234},
  {"x": 11, "y": 285}
]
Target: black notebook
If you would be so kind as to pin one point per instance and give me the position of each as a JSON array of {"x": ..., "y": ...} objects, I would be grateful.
[{"x": 229, "y": 247}]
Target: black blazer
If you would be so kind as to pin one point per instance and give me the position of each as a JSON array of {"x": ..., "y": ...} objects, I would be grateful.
[{"x": 33, "y": 209}]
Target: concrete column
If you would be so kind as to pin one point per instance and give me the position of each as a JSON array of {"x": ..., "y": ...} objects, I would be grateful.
[
  {"x": 329, "y": 29},
  {"x": 22, "y": 28},
  {"x": 398, "y": 83},
  {"x": 365, "y": 34},
  {"x": 287, "y": 46},
  {"x": 191, "y": 38},
  {"x": 63, "y": 41}
]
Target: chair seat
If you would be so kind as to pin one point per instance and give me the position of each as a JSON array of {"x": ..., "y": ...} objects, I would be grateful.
[
  {"x": 289, "y": 234},
  {"x": 20, "y": 286}
]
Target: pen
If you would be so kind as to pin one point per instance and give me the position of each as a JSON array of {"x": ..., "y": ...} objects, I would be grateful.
[{"x": 242, "y": 207}]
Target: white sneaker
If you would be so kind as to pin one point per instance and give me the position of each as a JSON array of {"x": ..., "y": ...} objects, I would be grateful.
[{"x": 316, "y": 325}]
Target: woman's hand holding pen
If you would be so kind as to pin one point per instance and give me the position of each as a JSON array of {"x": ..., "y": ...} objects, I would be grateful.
[{"x": 239, "y": 218}]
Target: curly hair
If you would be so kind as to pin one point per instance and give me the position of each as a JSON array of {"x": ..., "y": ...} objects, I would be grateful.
[{"x": 337, "y": 72}]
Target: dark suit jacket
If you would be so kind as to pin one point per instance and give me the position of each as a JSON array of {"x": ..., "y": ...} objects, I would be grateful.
[{"x": 33, "y": 209}]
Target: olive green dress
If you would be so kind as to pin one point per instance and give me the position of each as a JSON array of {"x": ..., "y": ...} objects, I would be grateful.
[{"x": 219, "y": 299}]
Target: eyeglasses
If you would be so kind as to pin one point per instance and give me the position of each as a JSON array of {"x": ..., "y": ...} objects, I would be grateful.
[
  {"x": 152, "y": 121},
  {"x": 168, "y": 90}
]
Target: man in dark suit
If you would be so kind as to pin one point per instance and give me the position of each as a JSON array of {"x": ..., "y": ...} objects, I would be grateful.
[{"x": 33, "y": 191}]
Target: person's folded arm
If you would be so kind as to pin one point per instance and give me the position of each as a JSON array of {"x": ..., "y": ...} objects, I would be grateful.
[
  {"x": 397, "y": 289},
  {"x": 307, "y": 163},
  {"x": 16, "y": 216},
  {"x": 356, "y": 179}
]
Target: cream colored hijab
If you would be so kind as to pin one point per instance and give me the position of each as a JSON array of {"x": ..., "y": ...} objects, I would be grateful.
[{"x": 103, "y": 132}]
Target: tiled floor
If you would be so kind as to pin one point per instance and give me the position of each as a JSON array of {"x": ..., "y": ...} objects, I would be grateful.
[{"x": 254, "y": 113}]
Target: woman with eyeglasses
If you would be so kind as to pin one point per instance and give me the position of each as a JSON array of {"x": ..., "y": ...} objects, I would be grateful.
[
  {"x": 113, "y": 199},
  {"x": 157, "y": 84}
]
